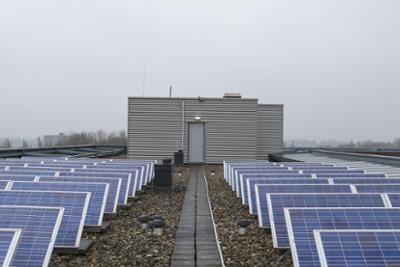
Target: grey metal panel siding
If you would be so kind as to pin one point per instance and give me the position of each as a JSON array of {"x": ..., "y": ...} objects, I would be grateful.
[
  {"x": 154, "y": 127},
  {"x": 269, "y": 130}
]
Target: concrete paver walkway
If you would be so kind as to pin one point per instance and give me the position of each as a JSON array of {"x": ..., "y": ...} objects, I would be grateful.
[{"x": 195, "y": 243}]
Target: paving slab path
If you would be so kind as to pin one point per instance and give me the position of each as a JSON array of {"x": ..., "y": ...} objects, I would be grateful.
[{"x": 195, "y": 242}]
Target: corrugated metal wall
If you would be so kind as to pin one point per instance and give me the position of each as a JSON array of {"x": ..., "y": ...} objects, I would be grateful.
[
  {"x": 155, "y": 127},
  {"x": 270, "y": 130}
]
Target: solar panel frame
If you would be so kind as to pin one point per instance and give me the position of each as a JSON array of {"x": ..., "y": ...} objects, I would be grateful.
[
  {"x": 261, "y": 197},
  {"x": 90, "y": 219},
  {"x": 58, "y": 213},
  {"x": 11, "y": 245},
  {"x": 376, "y": 188},
  {"x": 245, "y": 184},
  {"x": 4, "y": 184},
  {"x": 277, "y": 217},
  {"x": 356, "y": 232},
  {"x": 293, "y": 247},
  {"x": 67, "y": 215},
  {"x": 111, "y": 202},
  {"x": 368, "y": 181},
  {"x": 126, "y": 180}
]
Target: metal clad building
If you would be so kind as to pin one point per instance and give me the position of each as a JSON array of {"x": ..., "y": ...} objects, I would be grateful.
[{"x": 206, "y": 129}]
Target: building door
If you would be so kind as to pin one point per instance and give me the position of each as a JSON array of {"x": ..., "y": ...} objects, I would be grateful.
[{"x": 196, "y": 142}]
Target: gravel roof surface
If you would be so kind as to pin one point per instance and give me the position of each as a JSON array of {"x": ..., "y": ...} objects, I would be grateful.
[
  {"x": 253, "y": 249},
  {"x": 126, "y": 243}
]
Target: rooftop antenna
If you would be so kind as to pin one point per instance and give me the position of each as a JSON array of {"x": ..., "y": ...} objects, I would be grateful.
[
  {"x": 170, "y": 91},
  {"x": 144, "y": 78}
]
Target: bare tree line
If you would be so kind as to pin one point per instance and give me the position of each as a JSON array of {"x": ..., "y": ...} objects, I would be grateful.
[{"x": 99, "y": 137}]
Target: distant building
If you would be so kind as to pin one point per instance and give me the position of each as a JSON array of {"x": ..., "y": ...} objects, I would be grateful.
[
  {"x": 206, "y": 129},
  {"x": 53, "y": 140}
]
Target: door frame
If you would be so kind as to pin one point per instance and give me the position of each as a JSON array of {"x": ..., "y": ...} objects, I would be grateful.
[{"x": 204, "y": 141}]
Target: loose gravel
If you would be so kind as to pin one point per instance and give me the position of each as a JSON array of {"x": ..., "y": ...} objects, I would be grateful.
[
  {"x": 125, "y": 243},
  {"x": 252, "y": 249}
]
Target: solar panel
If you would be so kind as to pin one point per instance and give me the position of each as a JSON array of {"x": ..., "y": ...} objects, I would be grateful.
[
  {"x": 301, "y": 222},
  {"x": 17, "y": 177},
  {"x": 125, "y": 181},
  {"x": 377, "y": 188},
  {"x": 238, "y": 172},
  {"x": 243, "y": 179},
  {"x": 26, "y": 172},
  {"x": 260, "y": 198},
  {"x": 394, "y": 200},
  {"x": 134, "y": 183},
  {"x": 351, "y": 175},
  {"x": 345, "y": 248},
  {"x": 39, "y": 227},
  {"x": 250, "y": 188},
  {"x": 137, "y": 172},
  {"x": 333, "y": 172},
  {"x": 95, "y": 212},
  {"x": 366, "y": 181},
  {"x": 113, "y": 189},
  {"x": 50, "y": 169},
  {"x": 277, "y": 203},
  {"x": 75, "y": 206},
  {"x": 3, "y": 184},
  {"x": 8, "y": 243}
]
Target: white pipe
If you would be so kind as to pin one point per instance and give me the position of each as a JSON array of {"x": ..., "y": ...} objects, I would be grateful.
[{"x": 183, "y": 124}]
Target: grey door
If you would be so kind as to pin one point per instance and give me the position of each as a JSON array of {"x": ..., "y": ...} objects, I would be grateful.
[{"x": 196, "y": 142}]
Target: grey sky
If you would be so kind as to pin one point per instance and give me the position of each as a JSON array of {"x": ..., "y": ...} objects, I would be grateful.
[{"x": 70, "y": 65}]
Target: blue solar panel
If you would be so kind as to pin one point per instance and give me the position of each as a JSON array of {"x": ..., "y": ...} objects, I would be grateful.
[
  {"x": 125, "y": 181},
  {"x": 345, "y": 248},
  {"x": 366, "y": 181},
  {"x": 377, "y": 188},
  {"x": 317, "y": 168},
  {"x": 333, "y": 172},
  {"x": 394, "y": 200},
  {"x": 134, "y": 183},
  {"x": 94, "y": 215},
  {"x": 39, "y": 227},
  {"x": 8, "y": 243},
  {"x": 75, "y": 206},
  {"x": 113, "y": 192},
  {"x": 25, "y": 172},
  {"x": 244, "y": 177},
  {"x": 250, "y": 188},
  {"x": 277, "y": 203},
  {"x": 3, "y": 184},
  {"x": 260, "y": 198},
  {"x": 301, "y": 222},
  {"x": 138, "y": 172},
  {"x": 50, "y": 169},
  {"x": 17, "y": 177},
  {"x": 351, "y": 175}
]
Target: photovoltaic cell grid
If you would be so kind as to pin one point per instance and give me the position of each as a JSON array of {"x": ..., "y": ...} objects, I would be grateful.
[
  {"x": 378, "y": 188},
  {"x": 260, "y": 202},
  {"x": 75, "y": 207},
  {"x": 252, "y": 182},
  {"x": 3, "y": 184},
  {"x": 301, "y": 222},
  {"x": 8, "y": 243},
  {"x": 350, "y": 175},
  {"x": 244, "y": 177},
  {"x": 125, "y": 181},
  {"x": 345, "y": 248},
  {"x": 277, "y": 203},
  {"x": 39, "y": 227},
  {"x": 95, "y": 211},
  {"x": 113, "y": 189},
  {"x": 12, "y": 177},
  {"x": 366, "y": 181}
]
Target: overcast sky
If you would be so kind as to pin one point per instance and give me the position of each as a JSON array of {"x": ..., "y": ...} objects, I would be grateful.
[{"x": 70, "y": 65}]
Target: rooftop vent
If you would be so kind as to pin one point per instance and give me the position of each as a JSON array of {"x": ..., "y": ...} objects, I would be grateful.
[{"x": 232, "y": 95}]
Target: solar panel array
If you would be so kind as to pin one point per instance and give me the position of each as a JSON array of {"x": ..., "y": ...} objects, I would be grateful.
[
  {"x": 47, "y": 203},
  {"x": 328, "y": 213}
]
